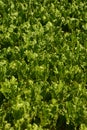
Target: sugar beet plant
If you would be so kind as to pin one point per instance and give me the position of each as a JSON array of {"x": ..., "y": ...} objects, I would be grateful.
[{"x": 43, "y": 64}]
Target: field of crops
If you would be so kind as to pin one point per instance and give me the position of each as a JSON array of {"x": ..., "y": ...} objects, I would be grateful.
[{"x": 43, "y": 64}]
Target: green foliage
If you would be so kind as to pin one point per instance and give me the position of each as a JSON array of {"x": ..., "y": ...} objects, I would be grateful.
[{"x": 43, "y": 65}]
